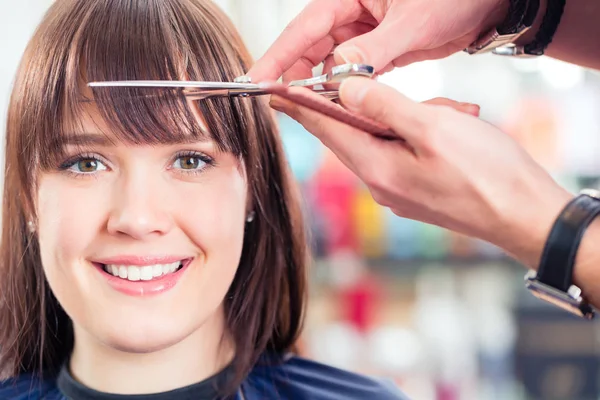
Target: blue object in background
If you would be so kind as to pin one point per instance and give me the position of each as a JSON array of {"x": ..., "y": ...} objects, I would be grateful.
[
  {"x": 401, "y": 235},
  {"x": 432, "y": 242},
  {"x": 304, "y": 151}
]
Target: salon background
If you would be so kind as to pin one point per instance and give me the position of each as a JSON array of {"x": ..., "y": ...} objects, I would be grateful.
[{"x": 445, "y": 315}]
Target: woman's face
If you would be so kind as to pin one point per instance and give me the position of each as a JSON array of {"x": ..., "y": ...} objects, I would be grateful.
[{"x": 140, "y": 243}]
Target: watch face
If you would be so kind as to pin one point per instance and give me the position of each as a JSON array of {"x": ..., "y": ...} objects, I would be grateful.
[{"x": 576, "y": 306}]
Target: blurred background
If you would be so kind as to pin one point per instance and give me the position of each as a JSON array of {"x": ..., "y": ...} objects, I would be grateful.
[{"x": 446, "y": 316}]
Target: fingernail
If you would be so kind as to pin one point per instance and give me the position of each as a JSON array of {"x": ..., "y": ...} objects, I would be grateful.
[
  {"x": 472, "y": 108},
  {"x": 353, "y": 92},
  {"x": 350, "y": 54}
]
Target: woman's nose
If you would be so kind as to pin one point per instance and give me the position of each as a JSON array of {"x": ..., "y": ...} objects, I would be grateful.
[{"x": 140, "y": 207}]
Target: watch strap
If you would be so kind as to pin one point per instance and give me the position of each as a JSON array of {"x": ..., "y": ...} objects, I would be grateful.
[
  {"x": 543, "y": 38},
  {"x": 558, "y": 257},
  {"x": 514, "y": 17}
]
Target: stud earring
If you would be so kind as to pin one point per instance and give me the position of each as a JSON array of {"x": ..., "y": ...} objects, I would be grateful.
[
  {"x": 31, "y": 226},
  {"x": 250, "y": 216}
]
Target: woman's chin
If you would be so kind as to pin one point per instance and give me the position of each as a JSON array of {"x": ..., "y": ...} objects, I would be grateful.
[
  {"x": 139, "y": 348},
  {"x": 142, "y": 338},
  {"x": 142, "y": 343}
]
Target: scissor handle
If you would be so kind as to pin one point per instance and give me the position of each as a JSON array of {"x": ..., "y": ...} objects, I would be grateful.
[{"x": 337, "y": 74}]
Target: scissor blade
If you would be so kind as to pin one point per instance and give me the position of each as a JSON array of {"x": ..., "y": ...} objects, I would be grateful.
[
  {"x": 177, "y": 84},
  {"x": 198, "y": 90}
]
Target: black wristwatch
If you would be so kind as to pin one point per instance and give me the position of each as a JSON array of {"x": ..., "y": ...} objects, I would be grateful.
[{"x": 553, "y": 280}]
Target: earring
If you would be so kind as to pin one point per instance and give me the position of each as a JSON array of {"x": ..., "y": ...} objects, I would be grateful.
[
  {"x": 31, "y": 226},
  {"x": 250, "y": 216}
]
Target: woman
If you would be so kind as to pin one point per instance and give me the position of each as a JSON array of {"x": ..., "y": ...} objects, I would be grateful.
[{"x": 151, "y": 246}]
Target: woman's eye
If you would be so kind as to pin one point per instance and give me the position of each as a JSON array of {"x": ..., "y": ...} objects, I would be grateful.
[
  {"x": 87, "y": 165},
  {"x": 189, "y": 162}
]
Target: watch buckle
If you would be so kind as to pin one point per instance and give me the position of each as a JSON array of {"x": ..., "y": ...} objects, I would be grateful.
[
  {"x": 512, "y": 50},
  {"x": 494, "y": 39},
  {"x": 571, "y": 301}
]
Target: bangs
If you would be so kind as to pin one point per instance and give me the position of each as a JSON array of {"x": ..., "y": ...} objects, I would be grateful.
[{"x": 144, "y": 40}]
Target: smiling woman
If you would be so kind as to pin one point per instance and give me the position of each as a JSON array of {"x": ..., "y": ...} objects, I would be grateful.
[{"x": 150, "y": 245}]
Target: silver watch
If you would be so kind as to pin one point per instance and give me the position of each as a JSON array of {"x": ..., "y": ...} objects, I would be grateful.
[{"x": 500, "y": 40}]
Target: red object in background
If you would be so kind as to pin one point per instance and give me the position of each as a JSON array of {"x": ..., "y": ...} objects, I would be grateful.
[
  {"x": 446, "y": 392},
  {"x": 334, "y": 191},
  {"x": 360, "y": 301}
]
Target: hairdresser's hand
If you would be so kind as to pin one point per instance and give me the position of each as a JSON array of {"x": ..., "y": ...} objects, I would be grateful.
[
  {"x": 382, "y": 33},
  {"x": 454, "y": 171}
]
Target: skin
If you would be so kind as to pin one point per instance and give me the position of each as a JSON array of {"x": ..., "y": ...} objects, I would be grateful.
[
  {"x": 142, "y": 200},
  {"x": 360, "y": 31},
  {"x": 395, "y": 33}
]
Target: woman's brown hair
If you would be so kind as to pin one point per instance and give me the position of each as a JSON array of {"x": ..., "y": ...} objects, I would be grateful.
[{"x": 82, "y": 41}]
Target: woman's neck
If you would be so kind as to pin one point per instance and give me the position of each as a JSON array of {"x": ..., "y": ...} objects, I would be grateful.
[{"x": 195, "y": 358}]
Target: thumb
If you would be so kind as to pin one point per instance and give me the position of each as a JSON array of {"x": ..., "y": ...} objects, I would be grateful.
[
  {"x": 385, "y": 105},
  {"x": 377, "y": 48}
]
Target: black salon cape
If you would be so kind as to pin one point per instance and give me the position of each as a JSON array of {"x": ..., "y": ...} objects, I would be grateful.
[{"x": 293, "y": 378}]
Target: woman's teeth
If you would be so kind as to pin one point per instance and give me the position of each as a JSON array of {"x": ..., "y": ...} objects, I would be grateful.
[{"x": 144, "y": 273}]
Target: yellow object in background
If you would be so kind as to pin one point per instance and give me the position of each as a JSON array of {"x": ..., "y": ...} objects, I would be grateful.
[{"x": 369, "y": 225}]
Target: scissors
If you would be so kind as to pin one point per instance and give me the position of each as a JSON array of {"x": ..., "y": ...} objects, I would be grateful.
[{"x": 243, "y": 87}]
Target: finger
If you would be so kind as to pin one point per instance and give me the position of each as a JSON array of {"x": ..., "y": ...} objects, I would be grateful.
[
  {"x": 351, "y": 30},
  {"x": 388, "y": 68},
  {"x": 467, "y": 108},
  {"x": 424, "y": 55},
  {"x": 315, "y": 22},
  {"x": 302, "y": 68},
  {"x": 377, "y": 48},
  {"x": 386, "y": 105},
  {"x": 280, "y": 104},
  {"x": 327, "y": 66}
]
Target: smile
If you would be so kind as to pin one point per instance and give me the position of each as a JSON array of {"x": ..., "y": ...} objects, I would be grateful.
[{"x": 142, "y": 273}]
